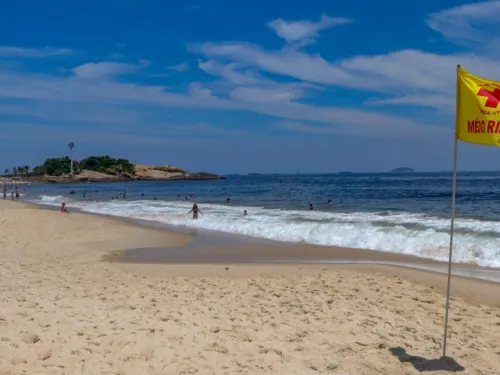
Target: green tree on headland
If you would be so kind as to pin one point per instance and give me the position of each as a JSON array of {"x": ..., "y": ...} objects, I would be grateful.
[
  {"x": 6, "y": 171},
  {"x": 14, "y": 171},
  {"x": 26, "y": 169},
  {"x": 103, "y": 164},
  {"x": 54, "y": 167}
]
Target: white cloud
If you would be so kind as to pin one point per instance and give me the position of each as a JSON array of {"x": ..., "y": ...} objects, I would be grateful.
[
  {"x": 31, "y": 53},
  {"x": 402, "y": 71},
  {"x": 476, "y": 22},
  {"x": 196, "y": 89},
  {"x": 266, "y": 95},
  {"x": 207, "y": 129},
  {"x": 406, "y": 77},
  {"x": 230, "y": 73},
  {"x": 366, "y": 129},
  {"x": 284, "y": 62},
  {"x": 435, "y": 101},
  {"x": 182, "y": 67},
  {"x": 102, "y": 70},
  {"x": 304, "y": 31},
  {"x": 62, "y": 90}
]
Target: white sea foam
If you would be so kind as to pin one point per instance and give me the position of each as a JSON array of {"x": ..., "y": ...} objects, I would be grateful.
[
  {"x": 47, "y": 199},
  {"x": 406, "y": 233}
]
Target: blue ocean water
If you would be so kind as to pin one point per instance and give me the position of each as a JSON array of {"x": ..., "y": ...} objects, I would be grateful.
[{"x": 402, "y": 213}]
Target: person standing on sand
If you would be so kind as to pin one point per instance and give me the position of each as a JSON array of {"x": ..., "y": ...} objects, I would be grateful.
[
  {"x": 64, "y": 210},
  {"x": 12, "y": 195},
  {"x": 195, "y": 210},
  {"x": 17, "y": 193},
  {"x": 4, "y": 192}
]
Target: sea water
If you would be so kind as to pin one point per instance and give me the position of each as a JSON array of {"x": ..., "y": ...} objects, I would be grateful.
[{"x": 398, "y": 213}]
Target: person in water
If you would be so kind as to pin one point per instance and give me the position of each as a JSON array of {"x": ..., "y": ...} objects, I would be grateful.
[
  {"x": 329, "y": 201},
  {"x": 311, "y": 208},
  {"x": 64, "y": 210},
  {"x": 195, "y": 210},
  {"x": 245, "y": 213}
]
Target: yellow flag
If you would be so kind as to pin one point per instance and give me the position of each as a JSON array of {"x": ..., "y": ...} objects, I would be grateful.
[{"x": 478, "y": 109}]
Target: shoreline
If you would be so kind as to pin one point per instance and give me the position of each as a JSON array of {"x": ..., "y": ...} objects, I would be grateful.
[
  {"x": 69, "y": 312},
  {"x": 238, "y": 248}
]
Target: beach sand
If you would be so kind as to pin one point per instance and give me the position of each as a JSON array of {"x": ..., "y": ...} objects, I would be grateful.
[{"x": 64, "y": 310}]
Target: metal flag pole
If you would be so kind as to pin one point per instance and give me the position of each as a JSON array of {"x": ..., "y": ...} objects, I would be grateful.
[{"x": 452, "y": 225}]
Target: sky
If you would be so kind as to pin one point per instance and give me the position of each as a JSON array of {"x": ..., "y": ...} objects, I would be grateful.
[{"x": 235, "y": 86}]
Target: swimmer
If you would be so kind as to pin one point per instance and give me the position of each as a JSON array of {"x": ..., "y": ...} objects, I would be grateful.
[
  {"x": 178, "y": 196},
  {"x": 228, "y": 200},
  {"x": 329, "y": 201},
  {"x": 245, "y": 213},
  {"x": 311, "y": 208},
  {"x": 195, "y": 210}
]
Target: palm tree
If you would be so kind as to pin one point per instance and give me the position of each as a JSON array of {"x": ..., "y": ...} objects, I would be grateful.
[
  {"x": 71, "y": 146},
  {"x": 26, "y": 169},
  {"x": 6, "y": 171},
  {"x": 20, "y": 170}
]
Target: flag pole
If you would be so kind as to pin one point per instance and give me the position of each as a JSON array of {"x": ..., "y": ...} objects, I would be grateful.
[{"x": 452, "y": 225}]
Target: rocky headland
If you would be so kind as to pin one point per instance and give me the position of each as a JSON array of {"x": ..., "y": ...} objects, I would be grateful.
[{"x": 102, "y": 169}]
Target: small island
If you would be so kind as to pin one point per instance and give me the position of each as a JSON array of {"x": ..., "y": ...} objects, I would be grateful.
[
  {"x": 403, "y": 170},
  {"x": 101, "y": 169}
]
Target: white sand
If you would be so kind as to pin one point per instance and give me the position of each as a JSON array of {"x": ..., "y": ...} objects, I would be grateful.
[{"x": 64, "y": 311}]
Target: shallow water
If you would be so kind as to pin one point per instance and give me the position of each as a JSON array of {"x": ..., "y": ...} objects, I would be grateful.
[{"x": 399, "y": 213}]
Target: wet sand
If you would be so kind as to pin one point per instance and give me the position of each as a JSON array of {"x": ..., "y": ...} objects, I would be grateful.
[{"x": 64, "y": 310}]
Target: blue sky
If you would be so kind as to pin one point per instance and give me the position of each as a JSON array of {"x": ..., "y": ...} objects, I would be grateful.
[{"x": 235, "y": 86}]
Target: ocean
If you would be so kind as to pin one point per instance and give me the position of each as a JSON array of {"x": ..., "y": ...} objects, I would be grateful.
[{"x": 406, "y": 213}]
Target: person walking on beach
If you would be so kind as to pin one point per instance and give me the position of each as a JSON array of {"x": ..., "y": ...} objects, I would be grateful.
[
  {"x": 4, "y": 192},
  {"x": 195, "y": 210},
  {"x": 12, "y": 195},
  {"x": 17, "y": 193}
]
